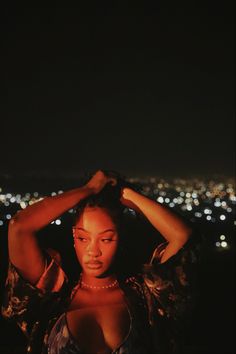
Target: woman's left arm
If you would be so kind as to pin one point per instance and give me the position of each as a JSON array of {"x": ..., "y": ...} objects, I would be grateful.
[{"x": 171, "y": 226}]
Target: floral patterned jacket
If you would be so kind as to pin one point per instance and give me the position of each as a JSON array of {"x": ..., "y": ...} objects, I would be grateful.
[{"x": 159, "y": 297}]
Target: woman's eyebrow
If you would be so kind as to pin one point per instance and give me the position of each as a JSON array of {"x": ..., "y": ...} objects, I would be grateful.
[
  {"x": 80, "y": 228},
  {"x": 103, "y": 232},
  {"x": 108, "y": 230}
]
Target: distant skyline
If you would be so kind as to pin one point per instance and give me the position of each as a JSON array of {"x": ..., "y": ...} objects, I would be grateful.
[{"x": 144, "y": 91}]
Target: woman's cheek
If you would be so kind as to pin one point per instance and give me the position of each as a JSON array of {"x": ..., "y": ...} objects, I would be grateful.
[
  {"x": 80, "y": 252},
  {"x": 111, "y": 252}
]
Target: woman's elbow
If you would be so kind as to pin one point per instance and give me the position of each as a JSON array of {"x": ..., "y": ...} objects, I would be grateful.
[
  {"x": 185, "y": 234},
  {"x": 17, "y": 226}
]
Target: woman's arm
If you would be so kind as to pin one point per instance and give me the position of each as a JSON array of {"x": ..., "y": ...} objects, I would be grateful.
[
  {"x": 171, "y": 226},
  {"x": 24, "y": 251}
]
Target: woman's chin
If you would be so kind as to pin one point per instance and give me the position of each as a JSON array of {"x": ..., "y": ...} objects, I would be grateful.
[
  {"x": 93, "y": 270},
  {"x": 97, "y": 272}
]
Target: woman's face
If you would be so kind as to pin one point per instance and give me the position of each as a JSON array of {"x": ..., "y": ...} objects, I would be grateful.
[{"x": 96, "y": 240}]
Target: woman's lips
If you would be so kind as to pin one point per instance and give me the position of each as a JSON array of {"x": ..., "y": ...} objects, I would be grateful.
[{"x": 94, "y": 265}]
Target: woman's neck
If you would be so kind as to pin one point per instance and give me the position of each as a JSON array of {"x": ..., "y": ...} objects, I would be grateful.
[{"x": 91, "y": 282}]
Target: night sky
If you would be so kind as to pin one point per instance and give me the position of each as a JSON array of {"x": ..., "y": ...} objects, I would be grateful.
[{"x": 141, "y": 90}]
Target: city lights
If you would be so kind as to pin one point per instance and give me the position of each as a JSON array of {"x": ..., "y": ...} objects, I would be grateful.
[
  {"x": 222, "y": 217},
  {"x": 201, "y": 201}
]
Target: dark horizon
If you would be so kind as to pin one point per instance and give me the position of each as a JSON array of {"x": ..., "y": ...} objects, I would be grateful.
[{"x": 73, "y": 175}]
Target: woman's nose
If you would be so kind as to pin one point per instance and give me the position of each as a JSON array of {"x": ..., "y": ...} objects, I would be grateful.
[{"x": 94, "y": 250}]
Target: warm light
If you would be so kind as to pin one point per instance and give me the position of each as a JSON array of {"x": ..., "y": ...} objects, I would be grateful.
[
  {"x": 207, "y": 211},
  {"x": 23, "y": 205},
  {"x": 180, "y": 200},
  {"x": 160, "y": 199},
  {"x": 18, "y": 198},
  {"x": 224, "y": 244}
]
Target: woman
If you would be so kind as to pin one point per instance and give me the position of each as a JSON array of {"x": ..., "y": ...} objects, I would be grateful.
[{"x": 106, "y": 311}]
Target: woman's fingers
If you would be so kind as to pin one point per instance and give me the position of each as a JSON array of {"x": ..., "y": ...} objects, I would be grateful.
[
  {"x": 99, "y": 180},
  {"x": 108, "y": 176}
]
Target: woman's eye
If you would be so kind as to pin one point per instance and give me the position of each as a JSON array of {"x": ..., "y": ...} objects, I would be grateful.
[
  {"x": 106, "y": 240},
  {"x": 82, "y": 239}
]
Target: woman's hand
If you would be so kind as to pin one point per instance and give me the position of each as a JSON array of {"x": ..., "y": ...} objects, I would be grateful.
[
  {"x": 124, "y": 198},
  {"x": 99, "y": 180},
  {"x": 126, "y": 195}
]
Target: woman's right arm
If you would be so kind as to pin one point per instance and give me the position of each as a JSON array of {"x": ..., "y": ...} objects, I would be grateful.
[{"x": 24, "y": 251}]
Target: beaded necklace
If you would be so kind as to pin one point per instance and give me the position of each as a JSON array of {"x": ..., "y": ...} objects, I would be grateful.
[{"x": 111, "y": 285}]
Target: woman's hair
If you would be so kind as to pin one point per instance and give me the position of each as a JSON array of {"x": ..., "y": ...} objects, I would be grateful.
[{"x": 108, "y": 199}]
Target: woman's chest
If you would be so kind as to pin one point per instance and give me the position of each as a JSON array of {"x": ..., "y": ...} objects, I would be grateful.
[{"x": 99, "y": 323}]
